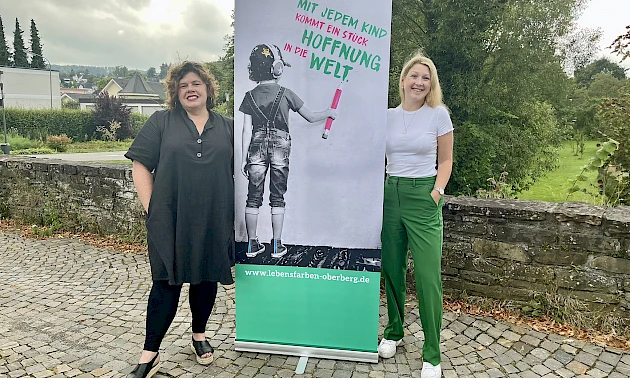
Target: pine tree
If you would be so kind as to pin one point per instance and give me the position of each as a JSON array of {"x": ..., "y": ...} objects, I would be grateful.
[
  {"x": 36, "y": 48},
  {"x": 19, "y": 51},
  {"x": 5, "y": 55}
]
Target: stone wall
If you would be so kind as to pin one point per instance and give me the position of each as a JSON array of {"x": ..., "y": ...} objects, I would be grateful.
[
  {"x": 89, "y": 197},
  {"x": 504, "y": 249},
  {"x": 513, "y": 249}
]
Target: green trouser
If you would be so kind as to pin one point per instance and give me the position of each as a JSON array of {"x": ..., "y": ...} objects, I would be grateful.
[{"x": 412, "y": 220}]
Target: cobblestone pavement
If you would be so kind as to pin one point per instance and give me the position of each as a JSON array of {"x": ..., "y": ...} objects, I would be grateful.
[{"x": 72, "y": 310}]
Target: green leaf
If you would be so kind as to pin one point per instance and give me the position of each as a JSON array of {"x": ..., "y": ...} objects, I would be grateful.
[
  {"x": 602, "y": 154},
  {"x": 610, "y": 147},
  {"x": 582, "y": 178},
  {"x": 573, "y": 189}
]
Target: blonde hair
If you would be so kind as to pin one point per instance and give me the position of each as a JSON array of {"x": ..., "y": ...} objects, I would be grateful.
[
  {"x": 176, "y": 73},
  {"x": 434, "y": 97}
]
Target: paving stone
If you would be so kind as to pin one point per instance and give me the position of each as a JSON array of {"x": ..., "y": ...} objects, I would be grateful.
[
  {"x": 586, "y": 358},
  {"x": 72, "y": 318},
  {"x": 577, "y": 367}
]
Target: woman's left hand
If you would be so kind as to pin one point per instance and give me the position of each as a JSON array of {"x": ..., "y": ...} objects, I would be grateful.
[{"x": 436, "y": 196}]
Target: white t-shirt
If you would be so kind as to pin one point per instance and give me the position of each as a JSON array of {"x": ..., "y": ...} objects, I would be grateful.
[{"x": 414, "y": 154}]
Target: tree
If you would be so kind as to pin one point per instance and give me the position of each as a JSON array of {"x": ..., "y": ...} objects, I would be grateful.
[
  {"x": 101, "y": 83},
  {"x": 109, "y": 111},
  {"x": 579, "y": 47},
  {"x": 227, "y": 64},
  {"x": 164, "y": 70},
  {"x": 585, "y": 75},
  {"x": 36, "y": 48},
  {"x": 5, "y": 55},
  {"x": 121, "y": 71},
  {"x": 20, "y": 59},
  {"x": 605, "y": 85},
  {"x": 151, "y": 73},
  {"x": 621, "y": 45},
  {"x": 502, "y": 77}
]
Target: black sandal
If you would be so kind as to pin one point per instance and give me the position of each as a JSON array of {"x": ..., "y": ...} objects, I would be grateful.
[
  {"x": 147, "y": 369},
  {"x": 199, "y": 348}
]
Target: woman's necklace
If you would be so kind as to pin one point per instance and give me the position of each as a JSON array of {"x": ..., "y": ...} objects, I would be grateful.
[{"x": 405, "y": 124}]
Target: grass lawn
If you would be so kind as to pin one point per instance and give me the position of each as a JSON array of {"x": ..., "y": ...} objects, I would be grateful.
[
  {"x": 553, "y": 187},
  {"x": 98, "y": 146}
]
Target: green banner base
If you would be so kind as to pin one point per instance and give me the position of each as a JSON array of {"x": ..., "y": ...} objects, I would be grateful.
[{"x": 300, "y": 351}]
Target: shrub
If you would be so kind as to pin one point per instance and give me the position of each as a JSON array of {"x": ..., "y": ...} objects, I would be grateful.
[
  {"x": 34, "y": 151},
  {"x": 58, "y": 142},
  {"x": 37, "y": 124},
  {"x": 108, "y": 109},
  {"x": 71, "y": 105},
  {"x": 108, "y": 133},
  {"x": 137, "y": 121},
  {"x": 18, "y": 142},
  {"x": 614, "y": 116}
]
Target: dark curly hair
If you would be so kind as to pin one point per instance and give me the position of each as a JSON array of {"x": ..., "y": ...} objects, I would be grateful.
[{"x": 176, "y": 73}]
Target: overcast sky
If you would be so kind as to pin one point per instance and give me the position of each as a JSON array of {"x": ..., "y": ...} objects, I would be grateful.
[{"x": 145, "y": 33}]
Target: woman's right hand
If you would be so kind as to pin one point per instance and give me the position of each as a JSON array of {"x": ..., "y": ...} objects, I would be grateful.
[{"x": 244, "y": 169}]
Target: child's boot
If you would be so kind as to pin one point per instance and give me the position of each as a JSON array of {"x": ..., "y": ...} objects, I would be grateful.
[
  {"x": 277, "y": 249},
  {"x": 254, "y": 248}
]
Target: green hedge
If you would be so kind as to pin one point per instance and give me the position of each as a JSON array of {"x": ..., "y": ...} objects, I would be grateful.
[
  {"x": 40, "y": 123},
  {"x": 37, "y": 124},
  {"x": 137, "y": 121}
]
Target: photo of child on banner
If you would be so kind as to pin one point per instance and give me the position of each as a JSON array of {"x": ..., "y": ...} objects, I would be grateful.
[{"x": 267, "y": 142}]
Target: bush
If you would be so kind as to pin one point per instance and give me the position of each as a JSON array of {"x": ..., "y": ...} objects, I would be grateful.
[
  {"x": 71, "y": 105},
  {"x": 37, "y": 124},
  {"x": 34, "y": 151},
  {"x": 58, "y": 142},
  {"x": 108, "y": 109},
  {"x": 137, "y": 121},
  {"x": 18, "y": 142}
]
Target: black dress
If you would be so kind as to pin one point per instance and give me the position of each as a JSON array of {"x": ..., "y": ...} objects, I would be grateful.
[{"x": 190, "y": 222}]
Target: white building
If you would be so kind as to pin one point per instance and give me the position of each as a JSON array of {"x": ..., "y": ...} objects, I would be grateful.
[
  {"x": 142, "y": 96},
  {"x": 31, "y": 88}
]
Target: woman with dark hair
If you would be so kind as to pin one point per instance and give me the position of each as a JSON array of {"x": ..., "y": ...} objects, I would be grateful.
[{"x": 183, "y": 173}]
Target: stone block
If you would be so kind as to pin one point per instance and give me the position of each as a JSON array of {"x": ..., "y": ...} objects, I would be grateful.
[
  {"x": 611, "y": 264},
  {"x": 38, "y": 166},
  {"x": 112, "y": 171},
  {"x": 500, "y": 208},
  {"x": 586, "y": 281},
  {"x": 489, "y": 248},
  {"x": 465, "y": 228},
  {"x": 617, "y": 221},
  {"x": 578, "y": 212},
  {"x": 552, "y": 255},
  {"x": 595, "y": 243},
  {"x": 497, "y": 291},
  {"x": 591, "y": 296},
  {"x": 537, "y": 287},
  {"x": 529, "y": 273},
  {"x": 477, "y": 277},
  {"x": 515, "y": 232},
  {"x": 69, "y": 169}
]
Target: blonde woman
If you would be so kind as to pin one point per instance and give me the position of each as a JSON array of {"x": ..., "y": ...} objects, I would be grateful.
[{"x": 419, "y": 163}]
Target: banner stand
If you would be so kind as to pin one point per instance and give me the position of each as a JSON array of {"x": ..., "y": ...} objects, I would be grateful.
[{"x": 300, "y": 351}]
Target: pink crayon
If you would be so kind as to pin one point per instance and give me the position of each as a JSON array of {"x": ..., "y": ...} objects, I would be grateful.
[{"x": 335, "y": 102}]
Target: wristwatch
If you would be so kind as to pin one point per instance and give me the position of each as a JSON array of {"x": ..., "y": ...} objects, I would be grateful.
[{"x": 439, "y": 190}]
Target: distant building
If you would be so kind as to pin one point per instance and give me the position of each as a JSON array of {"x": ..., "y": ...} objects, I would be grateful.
[
  {"x": 31, "y": 88},
  {"x": 76, "y": 90},
  {"x": 140, "y": 95}
]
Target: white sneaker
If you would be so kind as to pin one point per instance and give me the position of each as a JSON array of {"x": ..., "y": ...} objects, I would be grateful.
[
  {"x": 430, "y": 371},
  {"x": 387, "y": 348}
]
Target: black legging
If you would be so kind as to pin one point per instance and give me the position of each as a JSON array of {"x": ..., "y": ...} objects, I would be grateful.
[{"x": 162, "y": 308}]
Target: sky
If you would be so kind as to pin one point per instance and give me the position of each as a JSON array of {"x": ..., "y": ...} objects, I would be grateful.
[{"x": 145, "y": 33}]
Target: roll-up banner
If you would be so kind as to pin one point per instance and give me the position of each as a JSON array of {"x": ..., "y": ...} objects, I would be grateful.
[{"x": 309, "y": 188}]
